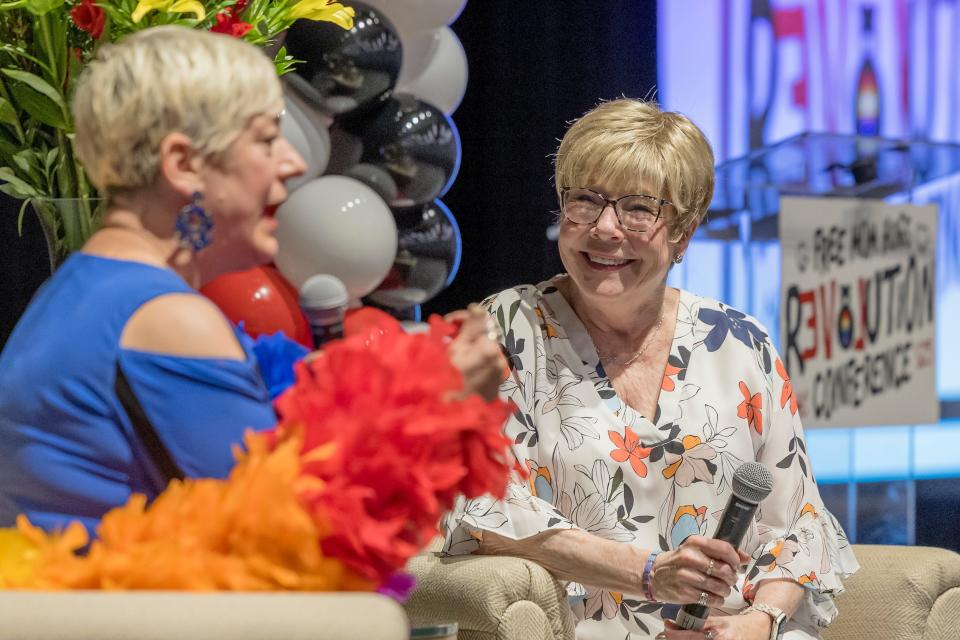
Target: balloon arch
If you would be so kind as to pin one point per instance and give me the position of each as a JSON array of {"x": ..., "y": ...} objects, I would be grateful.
[{"x": 369, "y": 110}]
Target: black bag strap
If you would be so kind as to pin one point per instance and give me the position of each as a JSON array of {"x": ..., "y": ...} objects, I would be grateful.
[{"x": 145, "y": 429}]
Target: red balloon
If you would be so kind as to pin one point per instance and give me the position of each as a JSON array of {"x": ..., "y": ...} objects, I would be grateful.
[
  {"x": 263, "y": 300},
  {"x": 370, "y": 322}
]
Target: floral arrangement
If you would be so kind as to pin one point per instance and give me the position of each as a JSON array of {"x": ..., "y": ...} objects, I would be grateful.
[
  {"x": 44, "y": 45},
  {"x": 375, "y": 441}
]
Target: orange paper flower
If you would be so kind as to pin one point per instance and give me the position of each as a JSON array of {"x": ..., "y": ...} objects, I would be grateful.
[{"x": 247, "y": 533}]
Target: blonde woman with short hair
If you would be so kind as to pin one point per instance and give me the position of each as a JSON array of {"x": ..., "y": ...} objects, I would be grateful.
[
  {"x": 120, "y": 376},
  {"x": 635, "y": 404}
]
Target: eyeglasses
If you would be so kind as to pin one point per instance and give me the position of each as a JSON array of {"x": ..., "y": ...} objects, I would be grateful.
[{"x": 637, "y": 213}]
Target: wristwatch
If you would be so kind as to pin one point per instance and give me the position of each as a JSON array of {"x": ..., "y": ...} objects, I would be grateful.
[{"x": 778, "y": 617}]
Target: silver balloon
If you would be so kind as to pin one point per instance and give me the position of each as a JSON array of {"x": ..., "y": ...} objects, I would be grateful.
[
  {"x": 309, "y": 137},
  {"x": 376, "y": 178}
]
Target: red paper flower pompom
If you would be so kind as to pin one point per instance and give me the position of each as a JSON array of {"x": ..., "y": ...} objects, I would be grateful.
[{"x": 390, "y": 444}]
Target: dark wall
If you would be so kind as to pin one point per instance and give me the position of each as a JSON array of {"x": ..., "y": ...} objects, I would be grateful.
[
  {"x": 23, "y": 263},
  {"x": 534, "y": 66}
]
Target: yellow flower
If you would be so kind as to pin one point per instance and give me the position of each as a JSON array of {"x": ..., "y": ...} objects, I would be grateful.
[
  {"x": 325, "y": 10},
  {"x": 170, "y": 6}
]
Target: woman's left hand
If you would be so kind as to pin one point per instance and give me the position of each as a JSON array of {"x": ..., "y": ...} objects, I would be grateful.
[{"x": 752, "y": 626}]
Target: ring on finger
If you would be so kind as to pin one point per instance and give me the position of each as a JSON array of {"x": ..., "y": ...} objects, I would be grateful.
[
  {"x": 710, "y": 567},
  {"x": 493, "y": 331},
  {"x": 709, "y": 634},
  {"x": 702, "y": 600}
]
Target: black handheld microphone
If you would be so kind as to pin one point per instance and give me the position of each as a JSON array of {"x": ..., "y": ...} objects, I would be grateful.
[
  {"x": 752, "y": 482},
  {"x": 323, "y": 299}
]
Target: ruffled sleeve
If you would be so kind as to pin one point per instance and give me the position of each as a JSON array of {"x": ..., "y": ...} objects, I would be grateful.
[
  {"x": 798, "y": 538},
  {"x": 530, "y": 505}
]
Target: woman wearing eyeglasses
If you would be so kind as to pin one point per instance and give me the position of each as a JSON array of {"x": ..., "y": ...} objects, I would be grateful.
[{"x": 636, "y": 402}]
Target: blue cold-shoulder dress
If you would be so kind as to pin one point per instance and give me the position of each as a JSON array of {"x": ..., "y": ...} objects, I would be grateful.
[{"x": 84, "y": 423}]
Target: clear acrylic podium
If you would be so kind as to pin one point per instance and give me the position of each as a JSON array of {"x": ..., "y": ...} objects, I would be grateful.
[{"x": 748, "y": 188}]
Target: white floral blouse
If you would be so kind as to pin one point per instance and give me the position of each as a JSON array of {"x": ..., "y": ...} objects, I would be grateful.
[{"x": 597, "y": 464}]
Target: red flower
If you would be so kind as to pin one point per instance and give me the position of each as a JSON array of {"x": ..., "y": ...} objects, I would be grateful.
[
  {"x": 629, "y": 448},
  {"x": 751, "y": 408},
  {"x": 89, "y": 17},
  {"x": 229, "y": 22}
]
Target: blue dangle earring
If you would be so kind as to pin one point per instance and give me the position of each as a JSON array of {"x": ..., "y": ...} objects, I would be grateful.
[{"x": 194, "y": 225}]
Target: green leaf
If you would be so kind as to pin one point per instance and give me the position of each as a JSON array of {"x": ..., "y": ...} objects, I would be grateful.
[
  {"x": 8, "y": 115},
  {"x": 15, "y": 186},
  {"x": 284, "y": 63},
  {"x": 51, "y": 158},
  {"x": 12, "y": 191},
  {"x": 22, "y": 160},
  {"x": 29, "y": 161},
  {"x": 38, "y": 106},
  {"x": 41, "y": 7},
  {"x": 23, "y": 210},
  {"x": 16, "y": 50},
  {"x": 37, "y": 83},
  {"x": 7, "y": 149}
]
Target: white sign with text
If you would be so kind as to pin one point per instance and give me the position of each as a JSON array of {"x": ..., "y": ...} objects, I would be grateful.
[{"x": 857, "y": 310}]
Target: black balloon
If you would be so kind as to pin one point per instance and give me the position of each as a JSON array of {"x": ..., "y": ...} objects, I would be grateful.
[
  {"x": 344, "y": 71},
  {"x": 416, "y": 143},
  {"x": 428, "y": 256}
]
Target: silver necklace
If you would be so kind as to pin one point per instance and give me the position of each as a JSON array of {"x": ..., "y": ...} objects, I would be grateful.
[{"x": 636, "y": 356}]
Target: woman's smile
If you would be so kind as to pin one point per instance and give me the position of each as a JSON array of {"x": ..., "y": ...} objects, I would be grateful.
[{"x": 599, "y": 262}]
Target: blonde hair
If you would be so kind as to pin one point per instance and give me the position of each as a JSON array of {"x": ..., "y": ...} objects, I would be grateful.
[
  {"x": 628, "y": 142},
  {"x": 163, "y": 80}
]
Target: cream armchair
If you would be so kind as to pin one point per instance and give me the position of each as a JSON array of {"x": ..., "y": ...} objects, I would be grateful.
[
  {"x": 492, "y": 597},
  {"x": 101, "y": 615},
  {"x": 900, "y": 593}
]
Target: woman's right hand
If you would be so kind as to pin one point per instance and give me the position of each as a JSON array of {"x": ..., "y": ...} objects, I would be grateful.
[
  {"x": 476, "y": 352},
  {"x": 700, "y": 565}
]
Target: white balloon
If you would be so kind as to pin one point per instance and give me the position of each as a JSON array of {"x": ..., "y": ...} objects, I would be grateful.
[
  {"x": 444, "y": 81},
  {"x": 340, "y": 226},
  {"x": 309, "y": 138},
  {"x": 416, "y": 15},
  {"x": 419, "y": 48}
]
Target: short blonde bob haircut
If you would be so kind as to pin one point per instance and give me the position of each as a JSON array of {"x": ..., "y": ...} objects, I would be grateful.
[
  {"x": 634, "y": 145},
  {"x": 164, "y": 80}
]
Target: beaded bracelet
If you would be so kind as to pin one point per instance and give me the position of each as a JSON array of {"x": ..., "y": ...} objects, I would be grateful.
[{"x": 646, "y": 581}]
